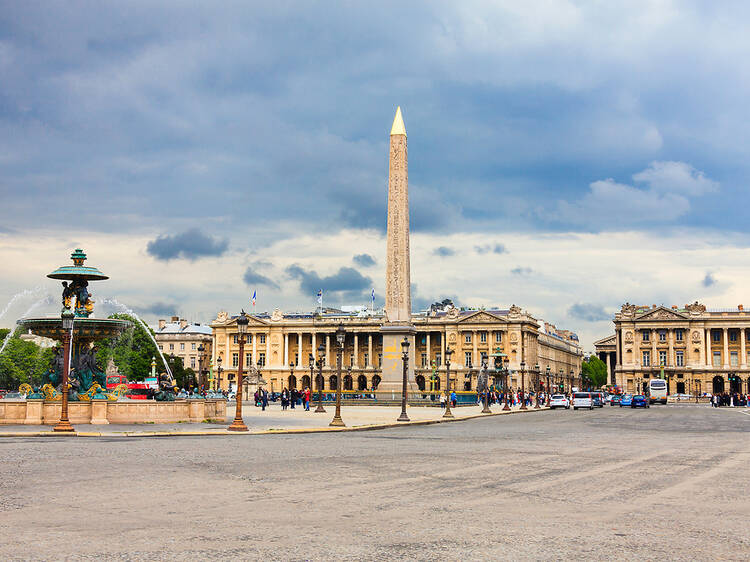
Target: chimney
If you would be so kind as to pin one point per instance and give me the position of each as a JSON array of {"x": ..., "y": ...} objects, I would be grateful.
[
  {"x": 183, "y": 324},
  {"x": 162, "y": 323},
  {"x": 653, "y": 306},
  {"x": 740, "y": 307},
  {"x": 175, "y": 318},
  {"x": 674, "y": 307}
]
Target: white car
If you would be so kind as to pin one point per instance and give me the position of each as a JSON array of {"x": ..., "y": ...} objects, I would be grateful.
[{"x": 558, "y": 401}]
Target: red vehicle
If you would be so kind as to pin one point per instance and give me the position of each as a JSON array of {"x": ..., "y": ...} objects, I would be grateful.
[
  {"x": 139, "y": 391},
  {"x": 114, "y": 380}
]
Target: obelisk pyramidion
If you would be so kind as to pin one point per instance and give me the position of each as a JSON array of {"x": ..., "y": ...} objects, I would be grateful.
[{"x": 398, "y": 275}]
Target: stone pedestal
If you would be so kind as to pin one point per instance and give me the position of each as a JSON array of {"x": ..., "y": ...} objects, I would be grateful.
[
  {"x": 99, "y": 411},
  {"x": 34, "y": 411},
  {"x": 197, "y": 410},
  {"x": 393, "y": 367}
]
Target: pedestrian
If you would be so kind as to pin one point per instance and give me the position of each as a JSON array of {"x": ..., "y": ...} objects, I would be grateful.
[
  {"x": 454, "y": 399},
  {"x": 442, "y": 400},
  {"x": 264, "y": 399},
  {"x": 284, "y": 399},
  {"x": 307, "y": 398}
]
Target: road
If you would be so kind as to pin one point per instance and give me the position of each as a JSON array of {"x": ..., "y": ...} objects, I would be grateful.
[{"x": 669, "y": 482}]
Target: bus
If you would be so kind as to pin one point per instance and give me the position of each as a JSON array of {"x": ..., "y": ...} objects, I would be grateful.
[{"x": 657, "y": 391}]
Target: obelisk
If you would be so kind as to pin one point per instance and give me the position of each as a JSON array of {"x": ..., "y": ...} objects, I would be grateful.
[{"x": 397, "y": 274}]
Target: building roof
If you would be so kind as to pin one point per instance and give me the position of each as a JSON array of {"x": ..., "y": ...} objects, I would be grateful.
[{"x": 176, "y": 328}]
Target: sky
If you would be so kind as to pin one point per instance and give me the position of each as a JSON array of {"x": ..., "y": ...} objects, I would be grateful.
[{"x": 566, "y": 157}]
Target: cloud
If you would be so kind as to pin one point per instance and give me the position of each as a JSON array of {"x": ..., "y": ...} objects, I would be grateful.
[
  {"x": 158, "y": 309},
  {"x": 347, "y": 281},
  {"x": 364, "y": 260},
  {"x": 521, "y": 271},
  {"x": 589, "y": 312},
  {"x": 253, "y": 278},
  {"x": 444, "y": 251},
  {"x": 191, "y": 245},
  {"x": 709, "y": 280},
  {"x": 676, "y": 177},
  {"x": 494, "y": 248}
]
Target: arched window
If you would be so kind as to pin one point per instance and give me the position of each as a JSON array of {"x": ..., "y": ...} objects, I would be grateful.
[
  {"x": 361, "y": 382},
  {"x": 292, "y": 382},
  {"x": 348, "y": 382},
  {"x": 306, "y": 381},
  {"x": 375, "y": 381},
  {"x": 332, "y": 382},
  {"x": 718, "y": 384},
  {"x": 420, "y": 382}
]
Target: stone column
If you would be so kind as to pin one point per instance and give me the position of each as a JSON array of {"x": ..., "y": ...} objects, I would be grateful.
[
  {"x": 227, "y": 354},
  {"x": 474, "y": 351},
  {"x": 725, "y": 359},
  {"x": 670, "y": 339},
  {"x": 328, "y": 350},
  {"x": 429, "y": 356},
  {"x": 286, "y": 350},
  {"x": 356, "y": 350},
  {"x": 443, "y": 336},
  {"x": 709, "y": 353},
  {"x": 743, "y": 349},
  {"x": 268, "y": 349},
  {"x": 255, "y": 355},
  {"x": 370, "y": 358},
  {"x": 654, "y": 353},
  {"x": 618, "y": 350},
  {"x": 300, "y": 359}
]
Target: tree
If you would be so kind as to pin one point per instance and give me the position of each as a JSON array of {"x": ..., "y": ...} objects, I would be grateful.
[
  {"x": 595, "y": 370},
  {"x": 132, "y": 352},
  {"x": 23, "y": 362}
]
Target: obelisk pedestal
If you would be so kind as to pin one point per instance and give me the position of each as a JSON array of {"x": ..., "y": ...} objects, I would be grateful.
[{"x": 398, "y": 274}]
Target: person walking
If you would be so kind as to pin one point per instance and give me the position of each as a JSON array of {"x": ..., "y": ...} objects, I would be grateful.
[
  {"x": 454, "y": 399},
  {"x": 284, "y": 399},
  {"x": 307, "y": 398},
  {"x": 442, "y": 401},
  {"x": 264, "y": 399}
]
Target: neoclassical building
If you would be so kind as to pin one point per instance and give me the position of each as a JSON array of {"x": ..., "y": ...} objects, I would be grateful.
[
  {"x": 697, "y": 349},
  {"x": 279, "y": 346}
]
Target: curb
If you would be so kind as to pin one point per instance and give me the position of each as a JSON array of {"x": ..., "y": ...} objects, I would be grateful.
[{"x": 295, "y": 431}]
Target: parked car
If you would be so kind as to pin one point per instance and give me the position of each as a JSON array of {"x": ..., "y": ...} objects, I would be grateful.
[
  {"x": 559, "y": 401},
  {"x": 615, "y": 400},
  {"x": 639, "y": 401},
  {"x": 582, "y": 400},
  {"x": 626, "y": 400},
  {"x": 598, "y": 399}
]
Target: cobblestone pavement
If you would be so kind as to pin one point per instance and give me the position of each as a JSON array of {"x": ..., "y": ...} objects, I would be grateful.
[{"x": 670, "y": 482}]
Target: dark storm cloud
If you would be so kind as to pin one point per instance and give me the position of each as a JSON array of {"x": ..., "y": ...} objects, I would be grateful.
[
  {"x": 709, "y": 280},
  {"x": 158, "y": 308},
  {"x": 191, "y": 244},
  {"x": 347, "y": 281},
  {"x": 364, "y": 260},
  {"x": 253, "y": 278},
  {"x": 589, "y": 312},
  {"x": 444, "y": 251},
  {"x": 494, "y": 248}
]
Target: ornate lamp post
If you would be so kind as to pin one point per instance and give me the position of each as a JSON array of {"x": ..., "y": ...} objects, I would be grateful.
[
  {"x": 549, "y": 388},
  {"x": 67, "y": 325},
  {"x": 311, "y": 364},
  {"x": 486, "y": 409},
  {"x": 506, "y": 371},
  {"x": 201, "y": 349},
  {"x": 448, "y": 353},
  {"x": 523, "y": 386},
  {"x": 291, "y": 374},
  {"x": 538, "y": 377},
  {"x": 238, "y": 424},
  {"x": 218, "y": 372},
  {"x": 405, "y": 359},
  {"x": 340, "y": 338},
  {"x": 321, "y": 350}
]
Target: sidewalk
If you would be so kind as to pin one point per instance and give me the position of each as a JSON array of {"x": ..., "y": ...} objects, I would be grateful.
[{"x": 273, "y": 420}]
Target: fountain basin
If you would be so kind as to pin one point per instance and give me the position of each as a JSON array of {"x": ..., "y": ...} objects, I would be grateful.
[{"x": 85, "y": 330}]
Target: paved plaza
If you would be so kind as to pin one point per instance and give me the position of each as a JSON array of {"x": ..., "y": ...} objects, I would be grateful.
[{"x": 665, "y": 483}]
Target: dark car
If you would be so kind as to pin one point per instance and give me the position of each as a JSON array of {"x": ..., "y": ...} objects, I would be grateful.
[
  {"x": 639, "y": 401},
  {"x": 615, "y": 400}
]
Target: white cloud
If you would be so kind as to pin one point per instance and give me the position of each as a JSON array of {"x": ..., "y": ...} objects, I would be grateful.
[{"x": 676, "y": 177}]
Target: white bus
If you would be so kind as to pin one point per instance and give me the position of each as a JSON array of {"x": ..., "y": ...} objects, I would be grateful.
[{"x": 657, "y": 391}]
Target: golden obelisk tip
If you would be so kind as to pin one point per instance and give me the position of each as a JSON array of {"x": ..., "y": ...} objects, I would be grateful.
[{"x": 398, "y": 124}]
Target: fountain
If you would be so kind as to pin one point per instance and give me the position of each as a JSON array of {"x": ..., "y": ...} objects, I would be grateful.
[{"x": 87, "y": 384}]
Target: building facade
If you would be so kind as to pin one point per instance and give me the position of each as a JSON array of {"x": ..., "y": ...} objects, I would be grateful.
[
  {"x": 279, "y": 346},
  {"x": 697, "y": 350},
  {"x": 183, "y": 339}
]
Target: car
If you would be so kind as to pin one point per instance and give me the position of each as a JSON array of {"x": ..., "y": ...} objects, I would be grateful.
[
  {"x": 615, "y": 400},
  {"x": 558, "y": 401},
  {"x": 598, "y": 399},
  {"x": 582, "y": 400},
  {"x": 626, "y": 400},
  {"x": 639, "y": 401}
]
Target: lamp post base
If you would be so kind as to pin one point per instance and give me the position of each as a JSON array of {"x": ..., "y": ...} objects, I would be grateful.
[
  {"x": 506, "y": 408},
  {"x": 337, "y": 422},
  {"x": 403, "y": 417},
  {"x": 238, "y": 425},
  {"x": 448, "y": 415},
  {"x": 486, "y": 410},
  {"x": 63, "y": 427},
  {"x": 320, "y": 409}
]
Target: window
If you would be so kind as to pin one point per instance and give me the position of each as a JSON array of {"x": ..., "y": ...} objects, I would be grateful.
[
  {"x": 439, "y": 358},
  {"x": 182, "y": 347},
  {"x": 467, "y": 337},
  {"x": 193, "y": 346},
  {"x": 483, "y": 337},
  {"x": 662, "y": 358},
  {"x": 662, "y": 335},
  {"x": 351, "y": 360},
  {"x": 235, "y": 359},
  {"x": 161, "y": 347},
  {"x": 171, "y": 347},
  {"x": 296, "y": 359},
  {"x": 249, "y": 338},
  {"x": 380, "y": 360},
  {"x": 484, "y": 357},
  {"x": 645, "y": 335},
  {"x": 498, "y": 337},
  {"x": 192, "y": 362},
  {"x": 734, "y": 359},
  {"x": 715, "y": 335},
  {"x": 717, "y": 359},
  {"x": 467, "y": 359},
  {"x": 261, "y": 359},
  {"x": 235, "y": 337},
  {"x": 424, "y": 360},
  {"x": 678, "y": 335},
  {"x": 248, "y": 360},
  {"x": 680, "y": 358},
  {"x": 646, "y": 358},
  {"x": 367, "y": 359},
  {"x": 733, "y": 335},
  {"x": 262, "y": 338}
]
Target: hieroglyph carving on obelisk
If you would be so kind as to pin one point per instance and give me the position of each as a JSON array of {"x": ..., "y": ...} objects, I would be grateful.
[{"x": 398, "y": 275}]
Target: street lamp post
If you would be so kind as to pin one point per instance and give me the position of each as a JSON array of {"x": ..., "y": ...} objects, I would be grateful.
[
  {"x": 506, "y": 371},
  {"x": 549, "y": 388},
  {"x": 523, "y": 386},
  {"x": 405, "y": 359},
  {"x": 320, "y": 409},
  {"x": 238, "y": 424},
  {"x": 486, "y": 409},
  {"x": 537, "y": 376},
  {"x": 67, "y": 325},
  {"x": 340, "y": 338},
  {"x": 219, "y": 369},
  {"x": 448, "y": 353},
  {"x": 201, "y": 349},
  {"x": 311, "y": 364}
]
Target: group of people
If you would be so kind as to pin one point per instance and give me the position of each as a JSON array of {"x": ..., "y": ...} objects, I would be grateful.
[
  {"x": 726, "y": 399},
  {"x": 295, "y": 397}
]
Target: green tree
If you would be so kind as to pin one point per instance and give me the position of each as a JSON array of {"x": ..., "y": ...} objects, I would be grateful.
[
  {"x": 23, "y": 362},
  {"x": 595, "y": 370},
  {"x": 131, "y": 352}
]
